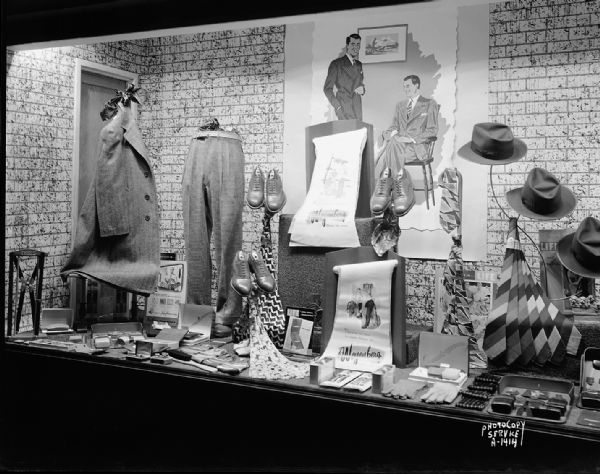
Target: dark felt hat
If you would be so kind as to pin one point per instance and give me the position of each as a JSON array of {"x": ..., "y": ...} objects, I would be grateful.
[
  {"x": 542, "y": 197},
  {"x": 493, "y": 144},
  {"x": 580, "y": 251}
]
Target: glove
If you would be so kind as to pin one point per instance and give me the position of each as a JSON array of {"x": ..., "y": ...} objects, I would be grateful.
[
  {"x": 440, "y": 392},
  {"x": 404, "y": 389}
]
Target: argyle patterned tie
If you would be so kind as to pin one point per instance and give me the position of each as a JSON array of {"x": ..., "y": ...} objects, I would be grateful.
[{"x": 525, "y": 325}]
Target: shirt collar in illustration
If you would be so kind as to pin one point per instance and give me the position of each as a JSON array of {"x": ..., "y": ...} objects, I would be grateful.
[
  {"x": 351, "y": 59},
  {"x": 413, "y": 101}
]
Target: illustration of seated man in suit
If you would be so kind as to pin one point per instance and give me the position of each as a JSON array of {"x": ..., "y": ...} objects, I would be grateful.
[
  {"x": 344, "y": 86},
  {"x": 415, "y": 122}
]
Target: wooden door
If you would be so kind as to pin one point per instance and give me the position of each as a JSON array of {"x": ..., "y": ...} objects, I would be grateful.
[{"x": 92, "y": 301}]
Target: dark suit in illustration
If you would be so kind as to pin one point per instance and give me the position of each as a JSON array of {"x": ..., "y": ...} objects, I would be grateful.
[
  {"x": 346, "y": 77},
  {"x": 420, "y": 124}
]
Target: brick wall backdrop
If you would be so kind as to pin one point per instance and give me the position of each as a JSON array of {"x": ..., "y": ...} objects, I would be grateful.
[
  {"x": 39, "y": 146},
  {"x": 236, "y": 76},
  {"x": 543, "y": 82}
]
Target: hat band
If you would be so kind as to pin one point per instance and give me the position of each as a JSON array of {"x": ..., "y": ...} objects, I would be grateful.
[{"x": 495, "y": 151}]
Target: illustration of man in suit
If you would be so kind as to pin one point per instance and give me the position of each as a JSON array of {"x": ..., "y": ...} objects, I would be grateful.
[
  {"x": 415, "y": 121},
  {"x": 345, "y": 74}
]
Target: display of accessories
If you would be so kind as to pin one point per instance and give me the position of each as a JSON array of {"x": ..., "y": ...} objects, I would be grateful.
[
  {"x": 479, "y": 392},
  {"x": 266, "y": 192},
  {"x": 243, "y": 266},
  {"x": 404, "y": 389},
  {"x": 524, "y": 325},
  {"x": 533, "y": 398},
  {"x": 440, "y": 392}
]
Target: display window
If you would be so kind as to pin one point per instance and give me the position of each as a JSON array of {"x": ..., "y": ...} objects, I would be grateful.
[{"x": 393, "y": 206}]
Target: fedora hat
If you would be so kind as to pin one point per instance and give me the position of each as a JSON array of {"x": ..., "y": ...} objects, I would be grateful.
[
  {"x": 542, "y": 197},
  {"x": 580, "y": 251},
  {"x": 493, "y": 144}
]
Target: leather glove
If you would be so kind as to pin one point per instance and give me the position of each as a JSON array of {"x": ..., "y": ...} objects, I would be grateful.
[
  {"x": 441, "y": 392},
  {"x": 404, "y": 389}
]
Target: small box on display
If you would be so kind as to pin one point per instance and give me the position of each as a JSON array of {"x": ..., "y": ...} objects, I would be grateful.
[
  {"x": 383, "y": 379},
  {"x": 56, "y": 320},
  {"x": 442, "y": 358},
  {"x": 321, "y": 370},
  {"x": 590, "y": 379},
  {"x": 535, "y": 398}
]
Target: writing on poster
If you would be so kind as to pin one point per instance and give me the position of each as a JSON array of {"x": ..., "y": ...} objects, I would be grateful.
[
  {"x": 354, "y": 354},
  {"x": 504, "y": 433}
]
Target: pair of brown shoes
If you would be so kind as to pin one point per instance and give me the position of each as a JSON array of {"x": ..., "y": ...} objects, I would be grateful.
[
  {"x": 241, "y": 280},
  {"x": 397, "y": 191},
  {"x": 269, "y": 193}
]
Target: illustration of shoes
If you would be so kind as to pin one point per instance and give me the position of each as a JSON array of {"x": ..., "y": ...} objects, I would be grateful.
[
  {"x": 240, "y": 279},
  {"x": 382, "y": 195},
  {"x": 403, "y": 194},
  {"x": 264, "y": 279},
  {"x": 256, "y": 189},
  {"x": 274, "y": 196}
]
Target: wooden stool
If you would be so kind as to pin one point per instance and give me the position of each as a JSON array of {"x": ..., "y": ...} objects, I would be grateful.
[
  {"x": 427, "y": 173},
  {"x": 25, "y": 284}
]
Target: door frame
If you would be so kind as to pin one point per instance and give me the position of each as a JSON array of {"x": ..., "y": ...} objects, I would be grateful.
[{"x": 114, "y": 73}]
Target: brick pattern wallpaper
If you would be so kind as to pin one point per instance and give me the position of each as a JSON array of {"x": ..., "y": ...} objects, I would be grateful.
[
  {"x": 544, "y": 81},
  {"x": 235, "y": 76},
  {"x": 39, "y": 145}
]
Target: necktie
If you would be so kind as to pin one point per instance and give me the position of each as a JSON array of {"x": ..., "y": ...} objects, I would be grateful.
[{"x": 409, "y": 108}]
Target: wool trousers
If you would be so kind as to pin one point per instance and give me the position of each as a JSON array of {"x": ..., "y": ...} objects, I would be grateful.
[{"x": 213, "y": 199}]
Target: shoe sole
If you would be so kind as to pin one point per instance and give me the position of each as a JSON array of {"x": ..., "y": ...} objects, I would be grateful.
[{"x": 404, "y": 212}]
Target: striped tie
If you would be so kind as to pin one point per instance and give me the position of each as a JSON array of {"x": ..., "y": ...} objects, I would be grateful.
[{"x": 409, "y": 108}]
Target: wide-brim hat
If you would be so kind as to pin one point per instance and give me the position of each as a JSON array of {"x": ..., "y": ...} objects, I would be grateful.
[
  {"x": 493, "y": 144},
  {"x": 579, "y": 252},
  {"x": 542, "y": 197}
]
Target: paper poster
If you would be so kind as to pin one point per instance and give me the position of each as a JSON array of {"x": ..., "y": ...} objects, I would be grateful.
[
  {"x": 326, "y": 218},
  {"x": 361, "y": 336}
]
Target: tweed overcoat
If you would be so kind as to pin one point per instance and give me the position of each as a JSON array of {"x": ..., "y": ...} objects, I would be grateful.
[{"x": 117, "y": 240}]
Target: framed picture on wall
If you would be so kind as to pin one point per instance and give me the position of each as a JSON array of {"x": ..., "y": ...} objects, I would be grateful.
[{"x": 382, "y": 44}]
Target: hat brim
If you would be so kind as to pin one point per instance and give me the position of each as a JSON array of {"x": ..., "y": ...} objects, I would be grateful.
[
  {"x": 568, "y": 201},
  {"x": 519, "y": 151},
  {"x": 568, "y": 260}
]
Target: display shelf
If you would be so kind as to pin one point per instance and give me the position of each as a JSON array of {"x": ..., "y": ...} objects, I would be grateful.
[{"x": 302, "y": 387}]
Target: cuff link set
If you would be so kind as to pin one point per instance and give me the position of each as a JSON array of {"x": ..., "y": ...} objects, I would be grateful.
[{"x": 476, "y": 395}]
